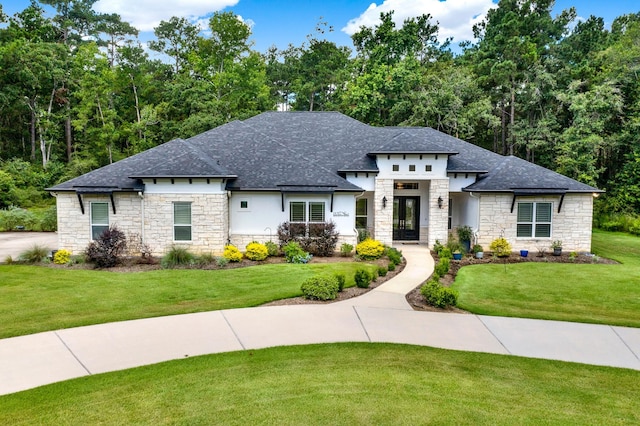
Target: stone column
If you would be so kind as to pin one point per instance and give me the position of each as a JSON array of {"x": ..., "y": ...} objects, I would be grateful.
[
  {"x": 438, "y": 217},
  {"x": 383, "y": 216}
]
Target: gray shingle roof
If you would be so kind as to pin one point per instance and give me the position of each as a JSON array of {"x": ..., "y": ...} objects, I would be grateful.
[
  {"x": 514, "y": 174},
  {"x": 306, "y": 151}
]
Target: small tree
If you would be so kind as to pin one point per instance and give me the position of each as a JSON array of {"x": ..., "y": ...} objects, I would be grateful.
[{"x": 107, "y": 249}]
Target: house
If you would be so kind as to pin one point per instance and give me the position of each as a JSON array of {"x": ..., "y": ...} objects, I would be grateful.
[{"x": 236, "y": 183}]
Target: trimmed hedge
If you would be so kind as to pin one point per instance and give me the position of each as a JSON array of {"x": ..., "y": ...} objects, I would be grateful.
[{"x": 320, "y": 288}]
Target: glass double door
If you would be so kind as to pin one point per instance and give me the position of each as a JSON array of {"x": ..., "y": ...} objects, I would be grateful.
[{"x": 406, "y": 217}]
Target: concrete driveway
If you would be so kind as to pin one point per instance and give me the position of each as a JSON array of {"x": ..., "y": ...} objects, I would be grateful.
[{"x": 14, "y": 243}]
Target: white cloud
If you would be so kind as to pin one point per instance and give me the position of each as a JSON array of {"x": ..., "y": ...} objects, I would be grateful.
[
  {"x": 147, "y": 14},
  {"x": 455, "y": 17}
]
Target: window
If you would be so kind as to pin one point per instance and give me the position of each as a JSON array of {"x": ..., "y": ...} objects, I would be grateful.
[
  {"x": 406, "y": 185},
  {"x": 297, "y": 212},
  {"x": 181, "y": 221},
  {"x": 395, "y": 167},
  {"x": 316, "y": 212},
  {"x": 534, "y": 220},
  {"x": 450, "y": 214},
  {"x": 412, "y": 167},
  {"x": 99, "y": 219},
  {"x": 244, "y": 204},
  {"x": 361, "y": 213},
  {"x": 428, "y": 168}
]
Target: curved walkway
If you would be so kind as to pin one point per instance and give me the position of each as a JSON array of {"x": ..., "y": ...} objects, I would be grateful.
[{"x": 382, "y": 315}]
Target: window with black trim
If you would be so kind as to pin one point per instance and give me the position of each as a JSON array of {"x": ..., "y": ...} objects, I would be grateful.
[
  {"x": 395, "y": 167},
  {"x": 534, "y": 220},
  {"x": 361, "y": 213},
  {"x": 412, "y": 167},
  {"x": 244, "y": 204},
  {"x": 428, "y": 168},
  {"x": 99, "y": 219},
  {"x": 182, "y": 221}
]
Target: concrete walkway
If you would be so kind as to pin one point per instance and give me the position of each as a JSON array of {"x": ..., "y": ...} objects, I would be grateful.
[{"x": 382, "y": 315}]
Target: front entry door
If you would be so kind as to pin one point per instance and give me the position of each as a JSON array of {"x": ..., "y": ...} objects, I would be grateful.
[{"x": 406, "y": 214}]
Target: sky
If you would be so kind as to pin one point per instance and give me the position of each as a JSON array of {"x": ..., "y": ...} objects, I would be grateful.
[{"x": 283, "y": 22}]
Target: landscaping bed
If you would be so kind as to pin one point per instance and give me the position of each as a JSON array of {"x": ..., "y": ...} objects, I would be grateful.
[{"x": 417, "y": 301}]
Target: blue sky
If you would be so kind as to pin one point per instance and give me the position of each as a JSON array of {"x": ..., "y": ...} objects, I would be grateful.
[{"x": 280, "y": 22}]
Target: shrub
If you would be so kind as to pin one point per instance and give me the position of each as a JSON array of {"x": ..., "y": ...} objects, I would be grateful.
[
  {"x": 370, "y": 249},
  {"x": 320, "y": 288},
  {"x": 222, "y": 261},
  {"x": 293, "y": 253},
  {"x": 394, "y": 255},
  {"x": 231, "y": 253},
  {"x": 346, "y": 249},
  {"x": 500, "y": 247},
  {"x": 62, "y": 257},
  {"x": 341, "y": 280},
  {"x": 256, "y": 251},
  {"x": 363, "y": 234},
  {"x": 35, "y": 254},
  {"x": 437, "y": 247},
  {"x": 382, "y": 271},
  {"x": 437, "y": 295},
  {"x": 442, "y": 268},
  {"x": 14, "y": 217},
  {"x": 445, "y": 253},
  {"x": 362, "y": 278},
  {"x": 177, "y": 256},
  {"x": 106, "y": 250},
  {"x": 49, "y": 220},
  {"x": 391, "y": 267},
  {"x": 272, "y": 248},
  {"x": 205, "y": 259},
  {"x": 317, "y": 238}
]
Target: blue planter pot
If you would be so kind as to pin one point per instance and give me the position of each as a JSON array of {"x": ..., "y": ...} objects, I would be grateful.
[
  {"x": 457, "y": 256},
  {"x": 524, "y": 253}
]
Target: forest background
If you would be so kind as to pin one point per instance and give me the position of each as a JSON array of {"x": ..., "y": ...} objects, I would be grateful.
[{"x": 78, "y": 91}]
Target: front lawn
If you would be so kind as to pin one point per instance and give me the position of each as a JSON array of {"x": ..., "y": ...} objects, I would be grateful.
[
  {"x": 339, "y": 384},
  {"x": 604, "y": 294},
  {"x": 35, "y": 299}
]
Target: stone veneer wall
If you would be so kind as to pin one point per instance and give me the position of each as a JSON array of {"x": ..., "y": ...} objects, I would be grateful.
[
  {"x": 572, "y": 225},
  {"x": 74, "y": 228},
  {"x": 438, "y": 217},
  {"x": 383, "y": 217},
  {"x": 209, "y": 220}
]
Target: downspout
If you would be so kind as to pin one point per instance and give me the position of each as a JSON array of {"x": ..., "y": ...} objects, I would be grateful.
[{"x": 141, "y": 195}]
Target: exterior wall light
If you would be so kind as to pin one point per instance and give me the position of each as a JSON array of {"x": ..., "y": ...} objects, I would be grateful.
[
  {"x": 384, "y": 202},
  {"x": 440, "y": 202}
]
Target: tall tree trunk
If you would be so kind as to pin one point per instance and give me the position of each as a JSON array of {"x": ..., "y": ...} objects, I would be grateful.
[
  {"x": 512, "y": 120},
  {"x": 32, "y": 132},
  {"x": 135, "y": 96}
]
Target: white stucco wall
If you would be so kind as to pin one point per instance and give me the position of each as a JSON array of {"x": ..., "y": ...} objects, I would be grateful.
[
  {"x": 386, "y": 163},
  {"x": 260, "y": 220}
]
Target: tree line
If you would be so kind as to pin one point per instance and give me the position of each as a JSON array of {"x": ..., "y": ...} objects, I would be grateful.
[{"x": 78, "y": 90}]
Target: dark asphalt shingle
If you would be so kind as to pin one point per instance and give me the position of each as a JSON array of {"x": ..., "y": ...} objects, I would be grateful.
[{"x": 307, "y": 150}]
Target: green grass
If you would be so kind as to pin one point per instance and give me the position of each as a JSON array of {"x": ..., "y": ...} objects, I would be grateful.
[
  {"x": 36, "y": 299},
  {"x": 593, "y": 293},
  {"x": 336, "y": 384}
]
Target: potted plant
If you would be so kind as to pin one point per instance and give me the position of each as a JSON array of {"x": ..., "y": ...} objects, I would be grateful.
[
  {"x": 457, "y": 255},
  {"x": 465, "y": 234},
  {"x": 524, "y": 253},
  {"x": 478, "y": 251},
  {"x": 557, "y": 247}
]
